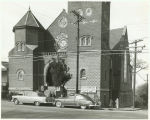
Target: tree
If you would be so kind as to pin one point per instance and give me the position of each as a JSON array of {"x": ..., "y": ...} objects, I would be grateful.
[
  {"x": 142, "y": 96},
  {"x": 59, "y": 73},
  {"x": 141, "y": 65}
]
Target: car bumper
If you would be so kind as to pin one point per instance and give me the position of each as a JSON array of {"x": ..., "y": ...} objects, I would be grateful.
[
  {"x": 48, "y": 102},
  {"x": 94, "y": 105}
]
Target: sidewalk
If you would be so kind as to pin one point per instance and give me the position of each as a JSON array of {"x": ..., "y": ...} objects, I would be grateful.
[{"x": 123, "y": 109}]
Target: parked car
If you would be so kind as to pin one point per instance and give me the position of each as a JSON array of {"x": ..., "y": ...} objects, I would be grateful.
[
  {"x": 80, "y": 100},
  {"x": 32, "y": 97}
]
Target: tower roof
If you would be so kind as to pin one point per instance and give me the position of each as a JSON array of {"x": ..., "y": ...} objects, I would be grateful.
[
  {"x": 28, "y": 20},
  {"x": 115, "y": 36}
]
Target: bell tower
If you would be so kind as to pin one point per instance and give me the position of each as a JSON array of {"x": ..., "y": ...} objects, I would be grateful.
[
  {"x": 94, "y": 65},
  {"x": 28, "y": 31},
  {"x": 24, "y": 69}
]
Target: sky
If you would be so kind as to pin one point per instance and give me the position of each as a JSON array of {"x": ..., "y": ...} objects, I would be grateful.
[{"x": 133, "y": 14}]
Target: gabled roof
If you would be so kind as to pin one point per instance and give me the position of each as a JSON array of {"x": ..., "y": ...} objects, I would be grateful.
[
  {"x": 28, "y": 20},
  {"x": 54, "y": 22},
  {"x": 4, "y": 66},
  {"x": 115, "y": 36}
]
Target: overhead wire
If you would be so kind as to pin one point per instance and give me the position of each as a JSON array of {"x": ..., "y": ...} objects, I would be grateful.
[{"x": 102, "y": 33}]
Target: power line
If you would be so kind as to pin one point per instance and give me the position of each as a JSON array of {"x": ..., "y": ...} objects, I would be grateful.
[
  {"x": 140, "y": 76},
  {"x": 134, "y": 76},
  {"x": 42, "y": 59}
]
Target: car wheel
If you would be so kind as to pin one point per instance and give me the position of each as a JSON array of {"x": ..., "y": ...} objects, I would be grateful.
[
  {"x": 58, "y": 104},
  {"x": 83, "y": 107},
  {"x": 16, "y": 101},
  {"x": 36, "y": 103}
]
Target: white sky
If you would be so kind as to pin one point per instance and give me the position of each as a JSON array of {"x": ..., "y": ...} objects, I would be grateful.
[{"x": 133, "y": 13}]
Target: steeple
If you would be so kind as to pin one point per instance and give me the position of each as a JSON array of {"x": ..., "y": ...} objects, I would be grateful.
[
  {"x": 28, "y": 20},
  {"x": 29, "y": 8}
]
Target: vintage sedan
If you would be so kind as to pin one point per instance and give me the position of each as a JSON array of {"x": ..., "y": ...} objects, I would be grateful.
[
  {"x": 79, "y": 100},
  {"x": 32, "y": 97}
]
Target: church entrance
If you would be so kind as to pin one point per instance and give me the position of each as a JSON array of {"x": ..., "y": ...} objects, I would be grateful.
[{"x": 49, "y": 77}]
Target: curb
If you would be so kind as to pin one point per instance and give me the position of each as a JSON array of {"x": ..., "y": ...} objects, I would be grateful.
[{"x": 122, "y": 109}]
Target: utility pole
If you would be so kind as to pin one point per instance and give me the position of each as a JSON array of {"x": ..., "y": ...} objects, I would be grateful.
[
  {"x": 79, "y": 19},
  {"x": 147, "y": 88},
  {"x": 134, "y": 73}
]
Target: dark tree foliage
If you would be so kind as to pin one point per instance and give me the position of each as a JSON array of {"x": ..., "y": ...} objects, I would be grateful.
[
  {"x": 142, "y": 96},
  {"x": 59, "y": 73}
]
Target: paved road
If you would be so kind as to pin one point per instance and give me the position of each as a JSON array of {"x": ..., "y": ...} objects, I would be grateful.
[{"x": 9, "y": 110}]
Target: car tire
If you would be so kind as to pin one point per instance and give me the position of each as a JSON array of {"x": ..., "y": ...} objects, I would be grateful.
[
  {"x": 58, "y": 104},
  {"x": 36, "y": 103},
  {"x": 16, "y": 101},
  {"x": 83, "y": 107}
]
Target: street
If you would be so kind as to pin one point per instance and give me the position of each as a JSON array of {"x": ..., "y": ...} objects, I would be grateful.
[{"x": 9, "y": 110}]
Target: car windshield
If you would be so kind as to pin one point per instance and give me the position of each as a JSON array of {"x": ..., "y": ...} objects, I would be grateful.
[{"x": 87, "y": 97}]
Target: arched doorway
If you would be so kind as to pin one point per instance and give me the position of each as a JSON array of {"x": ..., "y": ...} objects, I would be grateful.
[{"x": 47, "y": 75}]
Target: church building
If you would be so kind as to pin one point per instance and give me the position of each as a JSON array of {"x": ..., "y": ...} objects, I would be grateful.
[{"x": 102, "y": 73}]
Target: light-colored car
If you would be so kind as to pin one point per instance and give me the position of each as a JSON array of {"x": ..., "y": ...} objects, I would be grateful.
[
  {"x": 80, "y": 100},
  {"x": 31, "y": 97}
]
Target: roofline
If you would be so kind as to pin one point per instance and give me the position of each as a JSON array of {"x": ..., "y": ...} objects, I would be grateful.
[
  {"x": 26, "y": 26},
  {"x": 125, "y": 27},
  {"x": 26, "y": 18},
  {"x": 39, "y": 25},
  {"x": 124, "y": 30},
  {"x": 116, "y": 28},
  {"x": 56, "y": 18},
  {"x": 4, "y": 62},
  {"x": 35, "y": 19}
]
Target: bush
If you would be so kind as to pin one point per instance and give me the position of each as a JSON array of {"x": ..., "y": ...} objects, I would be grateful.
[{"x": 141, "y": 98}]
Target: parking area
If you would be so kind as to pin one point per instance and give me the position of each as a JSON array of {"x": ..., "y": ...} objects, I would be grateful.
[{"x": 9, "y": 110}]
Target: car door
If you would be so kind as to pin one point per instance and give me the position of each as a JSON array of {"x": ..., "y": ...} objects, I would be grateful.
[
  {"x": 23, "y": 99},
  {"x": 27, "y": 98},
  {"x": 70, "y": 100},
  {"x": 32, "y": 97},
  {"x": 19, "y": 97},
  {"x": 79, "y": 100}
]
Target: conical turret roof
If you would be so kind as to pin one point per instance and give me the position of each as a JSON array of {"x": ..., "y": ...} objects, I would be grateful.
[{"x": 28, "y": 20}]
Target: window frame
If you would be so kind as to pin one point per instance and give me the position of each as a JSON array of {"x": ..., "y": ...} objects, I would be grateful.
[
  {"x": 18, "y": 74},
  {"x": 85, "y": 43},
  {"x": 81, "y": 74},
  {"x": 20, "y": 46}
]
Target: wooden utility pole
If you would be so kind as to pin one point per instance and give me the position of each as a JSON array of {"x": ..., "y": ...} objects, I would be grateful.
[
  {"x": 147, "y": 87},
  {"x": 79, "y": 19},
  {"x": 134, "y": 73}
]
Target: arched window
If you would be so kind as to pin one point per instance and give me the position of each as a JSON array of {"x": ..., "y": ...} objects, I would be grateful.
[
  {"x": 18, "y": 45},
  {"x": 22, "y": 46},
  {"x": 82, "y": 41},
  {"x": 82, "y": 73},
  {"x": 20, "y": 74},
  {"x": 85, "y": 40},
  {"x": 88, "y": 41}
]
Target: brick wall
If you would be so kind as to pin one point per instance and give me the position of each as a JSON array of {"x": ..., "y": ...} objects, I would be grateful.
[
  {"x": 88, "y": 61},
  {"x": 87, "y": 27},
  {"x": 26, "y": 64},
  {"x": 105, "y": 79}
]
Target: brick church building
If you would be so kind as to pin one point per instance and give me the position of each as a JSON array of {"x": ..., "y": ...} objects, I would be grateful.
[{"x": 104, "y": 61}]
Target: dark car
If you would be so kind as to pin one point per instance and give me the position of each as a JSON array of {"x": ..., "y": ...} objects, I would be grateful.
[{"x": 80, "y": 100}]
